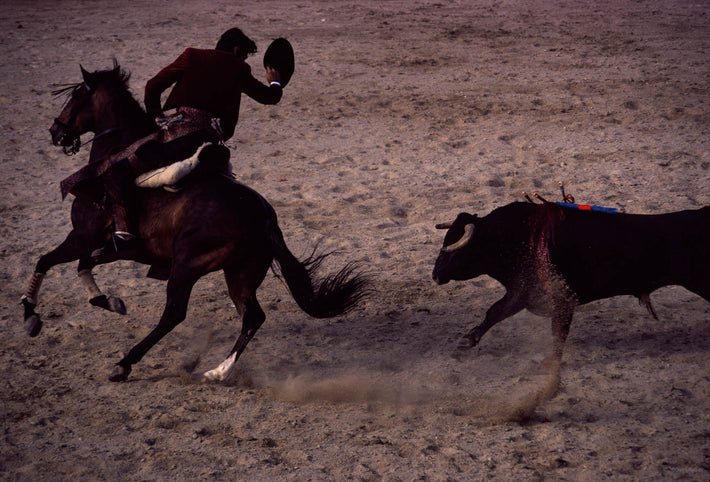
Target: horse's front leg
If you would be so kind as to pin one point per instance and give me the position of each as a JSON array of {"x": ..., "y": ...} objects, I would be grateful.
[
  {"x": 96, "y": 297},
  {"x": 33, "y": 322},
  {"x": 75, "y": 246},
  {"x": 69, "y": 250}
]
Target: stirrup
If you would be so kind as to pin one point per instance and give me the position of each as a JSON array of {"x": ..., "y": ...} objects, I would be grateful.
[
  {"x": 124, "y": 235},
  {"x": 120, "y": 242}
]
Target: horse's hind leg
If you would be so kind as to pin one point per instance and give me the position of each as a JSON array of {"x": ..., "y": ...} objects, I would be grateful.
[
  {"x": 178, "y": 291},
  {"x": 252, "y": 318},
  {"x": 251, "y": 321}
]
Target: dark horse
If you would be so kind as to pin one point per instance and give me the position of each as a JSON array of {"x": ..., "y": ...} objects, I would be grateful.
[{"x": 214, "y": 224}]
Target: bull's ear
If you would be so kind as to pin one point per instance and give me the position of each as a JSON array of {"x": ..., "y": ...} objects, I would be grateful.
[{"x": 466, "y": 218}]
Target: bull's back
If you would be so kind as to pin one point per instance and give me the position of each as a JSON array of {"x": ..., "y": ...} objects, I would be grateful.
[{"x": 602, "y": 255}]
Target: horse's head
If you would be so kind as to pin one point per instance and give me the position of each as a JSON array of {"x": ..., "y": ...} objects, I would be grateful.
[{"x": 85, "y": 108}]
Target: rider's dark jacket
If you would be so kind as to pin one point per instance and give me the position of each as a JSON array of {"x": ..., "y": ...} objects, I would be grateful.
[{"x": 209, "y": 80}]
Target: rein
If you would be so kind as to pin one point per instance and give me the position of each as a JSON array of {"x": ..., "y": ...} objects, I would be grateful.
[
  {"x": 101, "y": 134},
  {"x": 76, "y": 143}
]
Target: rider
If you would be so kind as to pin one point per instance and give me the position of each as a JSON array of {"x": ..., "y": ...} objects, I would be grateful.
[{"x": 208, "y": 85}]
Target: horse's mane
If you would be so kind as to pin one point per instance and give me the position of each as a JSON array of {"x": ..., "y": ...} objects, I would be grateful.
[
  {"x": 66, "y": 89},
  {"x": 115, "y": 83},
  {"x": 115, "y": 80}
]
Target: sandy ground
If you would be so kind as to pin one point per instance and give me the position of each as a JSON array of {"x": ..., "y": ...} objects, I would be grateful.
[{"x": 400, "y": 115}]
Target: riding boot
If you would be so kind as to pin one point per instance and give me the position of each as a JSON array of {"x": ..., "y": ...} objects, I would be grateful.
[
  {"x": 118, "y": 182},
  {"x": 122, "y": 242}
]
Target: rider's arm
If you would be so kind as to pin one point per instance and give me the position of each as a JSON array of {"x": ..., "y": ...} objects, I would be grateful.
[
  {"x": 264, "y": 94},
  {"x": 162, "y": 80}
]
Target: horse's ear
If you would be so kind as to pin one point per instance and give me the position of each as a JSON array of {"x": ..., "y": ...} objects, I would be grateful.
[
  {"x": 116, "y": 67},
  {"x": 88, "y": 78}
]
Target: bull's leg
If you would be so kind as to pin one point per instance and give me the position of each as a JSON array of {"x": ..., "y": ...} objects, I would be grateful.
[
  {"x": 178, "y": 295},
  {"x": 252, "y": 318},
  {"x": 561, "y": 321},
  {"x": 504, "y": 308}
]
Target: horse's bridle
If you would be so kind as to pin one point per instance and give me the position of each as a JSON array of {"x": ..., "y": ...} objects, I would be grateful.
[
  {"x": 73, "y": 148},
  {"x": 75, "y": 145}
]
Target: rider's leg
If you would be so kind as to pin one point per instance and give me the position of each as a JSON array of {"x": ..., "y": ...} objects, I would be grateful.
[{"x": 118, "y": 182}]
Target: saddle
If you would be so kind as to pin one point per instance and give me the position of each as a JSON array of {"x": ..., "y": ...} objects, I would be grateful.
[{"x": 176, "y": 124}]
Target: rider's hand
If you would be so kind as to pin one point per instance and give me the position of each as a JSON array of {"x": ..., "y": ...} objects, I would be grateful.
[{"x": 272, "y": 75}]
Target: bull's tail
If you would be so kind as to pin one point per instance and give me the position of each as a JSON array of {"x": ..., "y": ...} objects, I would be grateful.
[{"x": 321, "y": 298}]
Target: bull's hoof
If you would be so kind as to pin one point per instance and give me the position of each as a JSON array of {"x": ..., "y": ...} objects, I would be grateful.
[
  {"x": 120, "y": 374},
  {"x": 33, "y": 325}
]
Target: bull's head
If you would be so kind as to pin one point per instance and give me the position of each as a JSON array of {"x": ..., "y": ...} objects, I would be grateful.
[{"x": 457, "y": 257}]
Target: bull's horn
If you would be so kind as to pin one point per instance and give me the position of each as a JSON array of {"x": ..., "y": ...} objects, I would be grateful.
[
  {"x": 444, "y": 225},
  {"x": 465, "y": 239}
]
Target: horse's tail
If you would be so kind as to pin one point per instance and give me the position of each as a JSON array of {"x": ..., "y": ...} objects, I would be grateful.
[{"x": 321, "y": 298}]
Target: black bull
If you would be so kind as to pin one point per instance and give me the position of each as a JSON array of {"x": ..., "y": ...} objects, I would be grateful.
[{"x": 550, "y": 259}]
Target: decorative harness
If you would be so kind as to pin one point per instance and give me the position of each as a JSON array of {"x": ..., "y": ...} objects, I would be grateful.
[{"x": 183, "y": 121}]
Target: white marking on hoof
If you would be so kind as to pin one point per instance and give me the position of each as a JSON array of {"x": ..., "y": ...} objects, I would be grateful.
[{"x": 222, "y": 372}]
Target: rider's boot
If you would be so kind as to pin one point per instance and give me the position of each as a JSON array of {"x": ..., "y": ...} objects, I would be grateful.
[{"x": 123, "y": 242}]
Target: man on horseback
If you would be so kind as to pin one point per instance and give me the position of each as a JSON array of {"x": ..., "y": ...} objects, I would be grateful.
[{"x": 206, "y": 95}]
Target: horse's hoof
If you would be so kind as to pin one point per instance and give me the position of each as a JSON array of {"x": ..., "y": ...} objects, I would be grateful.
[
  {"x": 116, "y": 305},
  {"x": 463, "y": 347},
  {"x": 120, "y": 374},
  {"x": 465, "y": 343},
  {"x": 101, "y": 301},
  {"x": 33, "y": 325},
  {"x": 110, "y": 303},
  {"x": 212, "y": 376}
]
